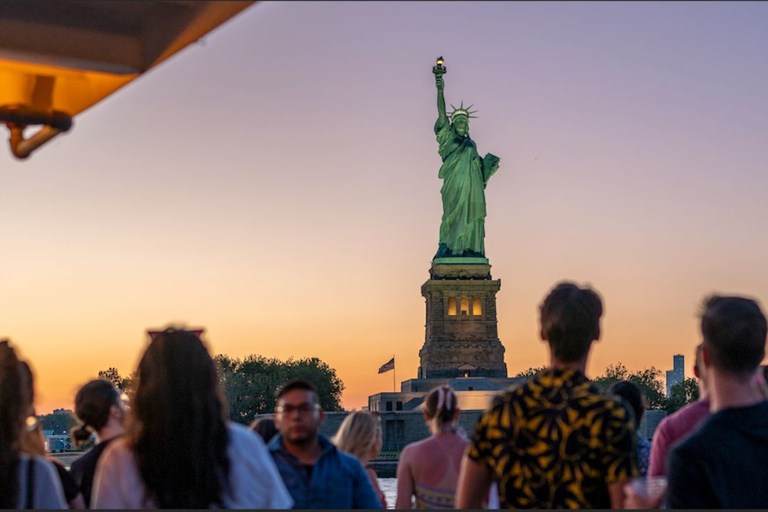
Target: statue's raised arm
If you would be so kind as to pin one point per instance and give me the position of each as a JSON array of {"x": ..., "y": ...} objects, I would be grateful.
[
  {"x": 465, "y": 175},
  {"x": 439, "y": 70}
]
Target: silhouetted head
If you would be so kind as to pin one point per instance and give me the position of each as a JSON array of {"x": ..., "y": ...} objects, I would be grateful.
[
  {"x": 15, "y": 401},
  {"x": 360, "y": 435},
  {"x": 180, "y": 435},
  {"x": 265, "y": 427},
  {"x": 28, "y": 377},
  {"x": 734, "y": 332},
  {"x": 441, "y": 408},
  {"x": 570, "y": 320},
  {"x": 95, "y": 403},
  {"x": 32, "y": 440},
  {"x": 632, "y": 395},
  {"x": 298, "y": 414}
]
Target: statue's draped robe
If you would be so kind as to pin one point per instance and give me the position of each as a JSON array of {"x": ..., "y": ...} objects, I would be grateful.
[{"x": 464, "y": 178}]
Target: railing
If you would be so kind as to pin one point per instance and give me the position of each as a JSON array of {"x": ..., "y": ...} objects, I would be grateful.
[{"x": 388, "y": 456}]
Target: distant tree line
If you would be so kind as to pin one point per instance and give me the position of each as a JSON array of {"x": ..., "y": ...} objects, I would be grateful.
[
  {"x": 122, "y": 383},
  {"x": 59, "y": 423},
  {"x": 650, "y": 382},
  {"x": 250, "y": 383}
]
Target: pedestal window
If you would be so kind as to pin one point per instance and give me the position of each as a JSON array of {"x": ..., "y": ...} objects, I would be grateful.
[
  {"x": 477, "y": 306},
  {"x": 464, "y": 306}
]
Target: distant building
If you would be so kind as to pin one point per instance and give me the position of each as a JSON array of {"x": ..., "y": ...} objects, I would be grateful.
[
  {"x": 62, "y": 411},
  {"x": 677, "y": 374},
  {"x": 57, "y": 443},
  {"x": 461, "y": 349}
]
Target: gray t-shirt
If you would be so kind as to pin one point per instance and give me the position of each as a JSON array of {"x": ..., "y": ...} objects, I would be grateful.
[{"x": 46, "y": 486}]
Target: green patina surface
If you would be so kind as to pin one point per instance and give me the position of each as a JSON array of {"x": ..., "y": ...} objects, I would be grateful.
[
  {"x": 460, "y": 260},
  {"x": 465, "y": 175}
]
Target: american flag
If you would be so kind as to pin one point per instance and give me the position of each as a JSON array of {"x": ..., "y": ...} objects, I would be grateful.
[{"x": 389, "y": 365}]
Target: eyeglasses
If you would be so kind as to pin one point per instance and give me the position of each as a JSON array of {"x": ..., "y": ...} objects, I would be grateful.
[{"x": 304, "y": 408}]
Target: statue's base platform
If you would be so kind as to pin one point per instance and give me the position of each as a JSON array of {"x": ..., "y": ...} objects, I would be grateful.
[
  {"x": 459, "y": 260},
  {"x": 473, "y": 393},
  {"x": 460, "y": 268}
]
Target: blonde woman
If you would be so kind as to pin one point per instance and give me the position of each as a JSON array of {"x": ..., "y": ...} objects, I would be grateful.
[
  {"x": 429, "y": 470},
  {"x": 360, "y": 435}
]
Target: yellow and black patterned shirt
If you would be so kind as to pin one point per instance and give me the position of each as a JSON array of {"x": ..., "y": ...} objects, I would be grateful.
[{"x": 556, "y": 442}]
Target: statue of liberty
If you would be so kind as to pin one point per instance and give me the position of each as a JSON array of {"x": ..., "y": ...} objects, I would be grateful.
[{"x": 465, "y": 175}]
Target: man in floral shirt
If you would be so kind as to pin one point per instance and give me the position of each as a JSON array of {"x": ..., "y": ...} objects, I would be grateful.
[{"x": 555, "y": 441}]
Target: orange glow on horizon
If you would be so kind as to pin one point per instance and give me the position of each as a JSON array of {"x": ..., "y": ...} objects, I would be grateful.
[{"x": 274, "y": 188}]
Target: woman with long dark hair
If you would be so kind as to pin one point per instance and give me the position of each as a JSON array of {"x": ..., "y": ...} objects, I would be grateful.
[
  {"x": 179, "y": 450},
  {"x": 32, "y": 443},
  {"x": 26, "y": 481},
  {"x": 100, "y": 409}
]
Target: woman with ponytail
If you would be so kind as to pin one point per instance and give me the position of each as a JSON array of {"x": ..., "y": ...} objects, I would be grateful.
[
  {"x": 26, "y": 481},
  {"x": 428, "y": 470},
  {"x": 99, "y": 407}
]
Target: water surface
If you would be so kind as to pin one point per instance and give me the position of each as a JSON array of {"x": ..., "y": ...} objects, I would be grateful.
[{"x": 389, "y": 488}]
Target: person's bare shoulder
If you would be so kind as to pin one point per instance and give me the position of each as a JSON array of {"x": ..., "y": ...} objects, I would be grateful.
[{"x": 415, "y": 451}]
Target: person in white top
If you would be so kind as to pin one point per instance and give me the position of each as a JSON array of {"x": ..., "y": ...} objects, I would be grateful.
[
  {"x": 179, "y": 451},
  {"x": 25, "y": 482}
]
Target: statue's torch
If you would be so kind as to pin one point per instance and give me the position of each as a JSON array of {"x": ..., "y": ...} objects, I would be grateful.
[{"x": 438, "y": 69}]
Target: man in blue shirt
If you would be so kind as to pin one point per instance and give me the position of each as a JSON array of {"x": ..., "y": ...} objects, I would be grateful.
[{"x": 316, "y": 474}]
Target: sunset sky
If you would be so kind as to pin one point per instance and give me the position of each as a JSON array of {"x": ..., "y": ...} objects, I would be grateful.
[{"x": 277, "y": 185}]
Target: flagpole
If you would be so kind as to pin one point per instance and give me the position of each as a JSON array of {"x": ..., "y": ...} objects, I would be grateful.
[{"x": 394, "y": 373}]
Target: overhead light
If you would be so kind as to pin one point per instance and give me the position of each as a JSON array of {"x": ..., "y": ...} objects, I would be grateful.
[{"x": 58, "y": 58}]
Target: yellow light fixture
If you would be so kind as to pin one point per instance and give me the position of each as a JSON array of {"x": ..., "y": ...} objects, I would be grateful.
[{"x": 60, "y": 57}]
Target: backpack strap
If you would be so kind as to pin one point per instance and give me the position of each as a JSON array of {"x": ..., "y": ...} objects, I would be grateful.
[{"x": 30, "y": 484}]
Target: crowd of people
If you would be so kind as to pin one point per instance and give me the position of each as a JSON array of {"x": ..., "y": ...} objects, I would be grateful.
[{"x": 554, "y": 441}]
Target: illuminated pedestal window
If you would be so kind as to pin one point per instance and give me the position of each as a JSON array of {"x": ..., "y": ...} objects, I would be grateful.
[
  {"x": 477, "y": 306},
  {"x": 465, "y": 306}
]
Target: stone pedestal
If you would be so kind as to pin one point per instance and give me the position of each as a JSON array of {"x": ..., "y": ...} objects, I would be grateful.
[{"x": 462, "y": 338}]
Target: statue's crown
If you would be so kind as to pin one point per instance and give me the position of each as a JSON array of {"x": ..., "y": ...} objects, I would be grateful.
[{"x": 461, "y": 111}]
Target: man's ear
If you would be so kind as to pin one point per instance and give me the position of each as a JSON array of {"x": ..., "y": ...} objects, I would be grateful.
[
  {"x": 597, "y": 334},
  {"x": 705, "y": 357},
  {"x": 542, "y": 334}
]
